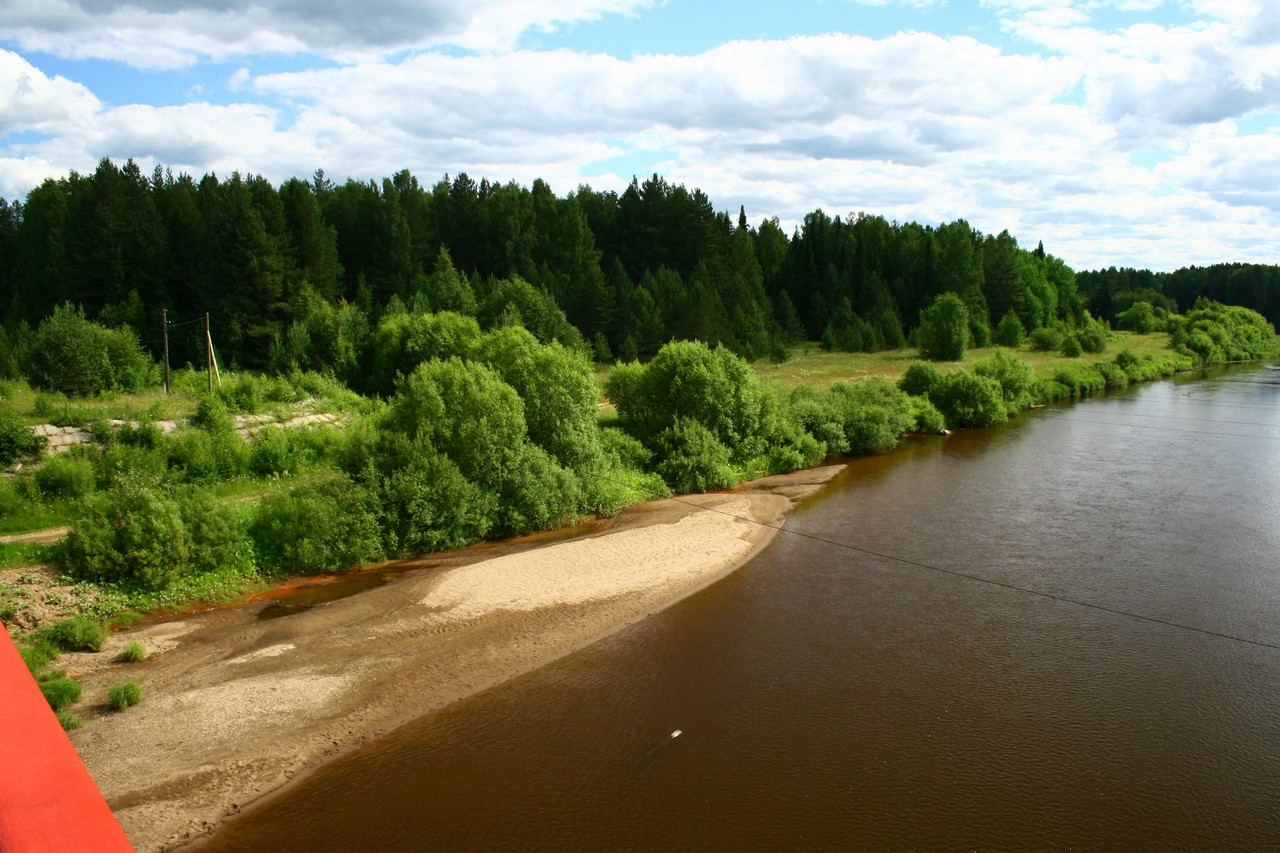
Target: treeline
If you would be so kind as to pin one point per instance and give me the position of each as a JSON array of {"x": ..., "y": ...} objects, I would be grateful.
[
  {"x": 302, "y": 274},
  {"x": 1111, "y": 292}
]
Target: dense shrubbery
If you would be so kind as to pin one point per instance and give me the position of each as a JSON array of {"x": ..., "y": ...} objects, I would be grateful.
[
  {"x": 77, "y": 357},
  {"x": 322, "y": 526},
  {"x": 16, "y": 441},
  {"x": 1213, "y": 333}
]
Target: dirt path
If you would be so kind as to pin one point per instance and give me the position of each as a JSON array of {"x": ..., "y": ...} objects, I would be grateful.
[
  {"x": 37, "y": 537},
  {"x": 237, "y": 706}
]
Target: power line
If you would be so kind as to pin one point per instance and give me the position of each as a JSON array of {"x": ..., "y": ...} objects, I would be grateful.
[{"x": 988, "y": 581}]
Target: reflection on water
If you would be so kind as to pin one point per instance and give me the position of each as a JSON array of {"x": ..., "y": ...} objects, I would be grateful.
[{"x": 1076, "y": 651}]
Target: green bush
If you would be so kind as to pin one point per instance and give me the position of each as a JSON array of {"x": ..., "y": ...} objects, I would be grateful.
[
  {"x": 926, "y": 419},
  {"x": 61, "y": 692},
  {"x": 1140, "y": 317},
  {"x": 1080, "y": 381},
  {"x": 943, "y": 334},
  {"x": 64, "y": 477},
  {"x": 873, "y": 414},
  {"x": 1014, "y": 375},
  {"x": 1093, "y": 336},
  {"x": 1045, "y": 339},
  {"x": 69, "y": 720},
  {"x": 122, "y": 696},
  {"x": 271, "y": 453},
  {"x": 537, "y": 494},
  {"x": 17, "y": 441},
  {"x": 968, "y": 400},
  {"x": 1070, "y": 347},
  {"x": 1010, "y": 333},
  {"x": 424, "y": 501},
  {"x": 688, "y": 381},
  {"x": 77, "y": 634},
  {"x": 325, "y": 525},
  {"x": 219, "y": 533},
  {"x": 693, "y": 459},
  {"x": 132, "y": 534},
  {"x": 76, "y": 357},
  {"x": 919, "y": 378}
]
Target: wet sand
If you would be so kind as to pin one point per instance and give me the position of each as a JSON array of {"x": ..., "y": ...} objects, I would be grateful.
[{"x": 237, "y": 706}]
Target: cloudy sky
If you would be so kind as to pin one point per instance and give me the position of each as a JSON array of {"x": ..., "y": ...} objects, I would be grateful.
[{"x": 1130, "y": 132}]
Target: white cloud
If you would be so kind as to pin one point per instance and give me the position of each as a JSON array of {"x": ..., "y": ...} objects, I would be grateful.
[
  {"x": 160, "y": 34},
  {"x": 33, "y": 101},
  {"x": 914, "y": 126}
]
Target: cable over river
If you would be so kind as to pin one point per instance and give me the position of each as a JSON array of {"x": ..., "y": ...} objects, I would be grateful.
[{"x": 1059, "y": 634}]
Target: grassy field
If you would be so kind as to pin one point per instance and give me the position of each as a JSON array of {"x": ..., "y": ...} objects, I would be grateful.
[{"x": 811, "y": 365}]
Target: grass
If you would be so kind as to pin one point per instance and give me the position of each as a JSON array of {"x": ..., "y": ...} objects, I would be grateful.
[
  {"x": 810, "y": 365},
  {"x": 134, "y": 652},
  {"x": 69, "y": 720},
  {"x": 61, "y": 691},
  {"x": 124, "y": 695},
  {"x": 79, "y": 633}
]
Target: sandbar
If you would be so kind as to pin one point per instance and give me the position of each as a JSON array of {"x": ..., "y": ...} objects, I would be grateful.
[{"x": 237, "y": 706}]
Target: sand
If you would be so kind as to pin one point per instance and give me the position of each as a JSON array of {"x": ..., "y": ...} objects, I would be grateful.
[{"x": 237, "y": 706}]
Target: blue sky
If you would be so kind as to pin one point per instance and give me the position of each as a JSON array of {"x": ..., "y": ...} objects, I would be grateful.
[{"x": 1130, "y": 132}]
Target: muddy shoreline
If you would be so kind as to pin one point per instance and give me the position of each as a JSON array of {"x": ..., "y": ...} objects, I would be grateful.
[{"x": 238, "y": 706}]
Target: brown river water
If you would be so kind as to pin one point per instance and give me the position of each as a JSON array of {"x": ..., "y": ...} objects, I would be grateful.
[{"x": 1060, "y": 634}]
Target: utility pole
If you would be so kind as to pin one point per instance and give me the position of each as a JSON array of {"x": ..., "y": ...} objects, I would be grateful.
[
  {"x": 208, "y": 351},
  {"x": 164, "y": 318}
]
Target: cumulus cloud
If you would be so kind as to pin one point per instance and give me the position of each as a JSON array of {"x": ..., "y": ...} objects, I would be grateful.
[
  {"x": 913, "y": 126},
  {"x": 168, "y": 34}
]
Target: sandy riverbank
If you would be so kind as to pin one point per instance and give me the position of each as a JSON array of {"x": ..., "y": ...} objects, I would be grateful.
[{"x": 237, "y": 706}]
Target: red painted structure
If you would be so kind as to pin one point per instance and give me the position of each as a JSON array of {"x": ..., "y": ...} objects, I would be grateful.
[{"x": 48, "y": 801}]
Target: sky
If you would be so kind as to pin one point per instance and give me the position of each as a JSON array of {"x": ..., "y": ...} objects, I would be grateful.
[{"x": 1142, "y": 133}]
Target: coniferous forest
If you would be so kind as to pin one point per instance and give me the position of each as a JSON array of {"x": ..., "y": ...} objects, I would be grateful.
[{"x": 301, "y": 275}]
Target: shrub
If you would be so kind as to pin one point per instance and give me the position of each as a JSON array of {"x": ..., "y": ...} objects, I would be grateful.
[
  {"x": 919, "y": 378},
  {"x": 688, "y": 381},
  {"x": 125, "y": 695},
  {"x": 218, "y": 532},
  {"x": 1045, "y": 339},
  {"x": 1014, "y": 375},
  {"x": 1139, "y": 317},
  {"x": 1070, "y": 347},
  {"x": 1079, "y": 381},
  {"x": 77, "y": 634},
  {"x": 61, "y": 692},
  {"x": 1093, "y": 336},
  {"x": 1010, "y": 333},
  {"x": 134, "y": 652},
  {"x": 17, "y": 441},
  {"x": 271, "y": 453},
  {"x": 72, "y": 355},
  {"x": 425, "y": 502},
  {"x": 693, "y": 459},
  {"x": 873, "y": 413},
  {"x": 132, "y": 534},
  {"x": 926, "y": 419},
  {"x": 968, "y": 400},
  {"x": 537, "y": 494},
  {"x": 943, "y": 334},
  {"x": 326, "y": 525},
  {"x": 64, "y": 477}
]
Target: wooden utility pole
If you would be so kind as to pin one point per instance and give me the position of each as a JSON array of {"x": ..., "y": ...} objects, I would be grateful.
[
  {"x": 211, "y": 360},
  {"x": 164, "y": 317},
  {"x": 208, "y": 352}
]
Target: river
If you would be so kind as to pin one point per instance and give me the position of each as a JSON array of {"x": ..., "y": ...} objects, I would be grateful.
[{"x": 1059, "y": 634}]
